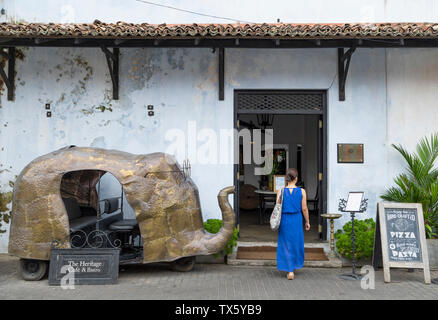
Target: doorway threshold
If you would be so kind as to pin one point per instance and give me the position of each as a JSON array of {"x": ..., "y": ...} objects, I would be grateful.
[{"x": 332, "y": 261}]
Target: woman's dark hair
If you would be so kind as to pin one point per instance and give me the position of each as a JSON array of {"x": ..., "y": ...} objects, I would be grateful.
[{"x": 291, "y": 175}]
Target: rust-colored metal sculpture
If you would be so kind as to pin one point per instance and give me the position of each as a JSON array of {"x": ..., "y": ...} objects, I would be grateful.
[{"x": 165, "y": 202}]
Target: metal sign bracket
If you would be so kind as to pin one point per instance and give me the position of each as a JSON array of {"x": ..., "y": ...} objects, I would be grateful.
[
  {"x": 9, "y": 79},
  {"x": 112, "y": 59},
  {"x": 343, "y": 66}
]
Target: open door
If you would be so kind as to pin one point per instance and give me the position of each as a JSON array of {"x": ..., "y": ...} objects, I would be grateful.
[
  {"x": 322, "y": 226},
  {"x": 237, "y": 174}
]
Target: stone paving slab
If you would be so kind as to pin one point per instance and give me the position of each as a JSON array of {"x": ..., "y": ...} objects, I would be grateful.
[{"x": 222, "y": 282}]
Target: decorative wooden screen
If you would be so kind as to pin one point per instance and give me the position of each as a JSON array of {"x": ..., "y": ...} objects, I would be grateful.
[{"x": 279, "y": 102}]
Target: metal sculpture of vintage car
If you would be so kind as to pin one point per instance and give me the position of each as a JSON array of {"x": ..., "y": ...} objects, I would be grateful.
[{"x": 56, "y": 202}]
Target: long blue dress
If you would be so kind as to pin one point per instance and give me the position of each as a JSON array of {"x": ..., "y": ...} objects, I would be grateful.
[{"x": 290, "y": 246}]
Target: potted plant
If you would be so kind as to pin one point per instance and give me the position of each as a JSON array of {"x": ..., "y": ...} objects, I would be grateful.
[
  {"x": 364, "y": 233},
  {"x": 213, "y": 226},
  {"x": 278, "y": 163},
  {"x": 419, "y": 184}
]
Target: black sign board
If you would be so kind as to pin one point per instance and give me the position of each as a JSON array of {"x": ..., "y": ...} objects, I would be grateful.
[
  {"x": 400, "y": 240},
  {"x": 403, "y": 234},
  {"x": 84, "y": 266}
]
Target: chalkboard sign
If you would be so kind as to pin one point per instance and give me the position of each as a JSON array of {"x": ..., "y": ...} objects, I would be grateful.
[
  {"x": 400, "y": 240},
  {"x": 403, "y": 234},
  {"x": 84, "y": 266}
]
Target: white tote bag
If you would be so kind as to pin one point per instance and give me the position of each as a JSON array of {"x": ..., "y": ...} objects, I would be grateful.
[{"x": 276, "y": 214}]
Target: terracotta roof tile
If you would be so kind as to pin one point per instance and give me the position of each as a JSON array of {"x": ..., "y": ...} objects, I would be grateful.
[{"x": 281, "y": 30}]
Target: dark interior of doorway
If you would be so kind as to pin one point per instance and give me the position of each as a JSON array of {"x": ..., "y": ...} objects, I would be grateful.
[{"x": 295, "y": 139}]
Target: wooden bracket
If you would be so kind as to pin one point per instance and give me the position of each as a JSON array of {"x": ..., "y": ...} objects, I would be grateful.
[
  {"x": 9, "y": 79},
  {"x": 343, "y": 65},
  {"x": 112, "y": 59},
  {"x": 221, "y": 73}
]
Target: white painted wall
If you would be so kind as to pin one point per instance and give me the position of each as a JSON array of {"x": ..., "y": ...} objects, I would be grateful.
[
  {"x": 362, "y": 118},
  {"x": 412, "y": 99},
  {"x": 385, "y": 103}
]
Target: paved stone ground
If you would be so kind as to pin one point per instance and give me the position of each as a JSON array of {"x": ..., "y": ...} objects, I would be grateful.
[{"x": 215, "y": 281}]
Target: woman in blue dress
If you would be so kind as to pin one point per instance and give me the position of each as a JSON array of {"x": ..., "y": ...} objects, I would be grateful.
[{"x": 290, "y": 246}]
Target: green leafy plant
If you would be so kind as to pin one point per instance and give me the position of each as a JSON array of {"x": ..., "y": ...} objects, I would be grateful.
[
  {"x": 420, "y": 183},
  {"x": 4, "y": 218},
  {"x": 213, "y": 226},
  {"x": 364, "y": 233},
  {"x": 278, "y": 158},
  {"x": 5, "y": 199}
]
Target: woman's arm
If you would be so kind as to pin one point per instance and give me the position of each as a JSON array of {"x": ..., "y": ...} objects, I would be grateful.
[
  {"x": 305, "y": 209},
  {"x": 279, "y": 196}
]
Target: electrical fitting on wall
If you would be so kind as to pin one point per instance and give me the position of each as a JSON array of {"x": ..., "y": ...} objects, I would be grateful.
[
  {"x": 48, "y": 112},
  {"x": 150, "y": 110}
]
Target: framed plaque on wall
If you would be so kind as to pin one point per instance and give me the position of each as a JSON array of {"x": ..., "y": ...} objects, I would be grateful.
[{"x": 350, "y": 153}]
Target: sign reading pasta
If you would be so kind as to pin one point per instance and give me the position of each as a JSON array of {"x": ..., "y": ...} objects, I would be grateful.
[{"x": 400, "y": 240}]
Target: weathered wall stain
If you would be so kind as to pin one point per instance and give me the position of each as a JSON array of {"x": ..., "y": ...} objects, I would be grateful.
[
  {"x": 144, "y": 63},
  {"x": 176, "y": 62},
  {"x": 68, "y": 70},
  {"x": 91, "y": 110},
  {"x": 103, "y": 108}
]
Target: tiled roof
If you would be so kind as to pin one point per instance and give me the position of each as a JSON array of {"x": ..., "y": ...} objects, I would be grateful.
[{"x": 280, "y": 30}]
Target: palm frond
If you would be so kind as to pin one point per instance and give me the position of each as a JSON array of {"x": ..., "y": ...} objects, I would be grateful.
[{"x": 427, "y": 151}]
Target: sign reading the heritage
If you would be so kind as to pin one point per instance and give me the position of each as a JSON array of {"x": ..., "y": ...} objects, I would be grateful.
[
  {"x": 400, "y": 240},
  {"x": 84, "y": 266}
]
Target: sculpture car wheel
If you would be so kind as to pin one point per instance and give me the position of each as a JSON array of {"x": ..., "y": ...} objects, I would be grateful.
[
  {"x": 33, "y": 270},
  {"x": 184, "y": 264}
]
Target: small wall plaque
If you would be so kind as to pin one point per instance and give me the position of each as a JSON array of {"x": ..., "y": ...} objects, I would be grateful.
[{"x": 350, "y": 152}]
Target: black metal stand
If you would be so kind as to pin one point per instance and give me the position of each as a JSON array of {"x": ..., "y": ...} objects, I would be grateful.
[
  {"x": 435, "y": 281},
  {"x": 353, "y": 275},
  {"x": 363, "y": 207}
]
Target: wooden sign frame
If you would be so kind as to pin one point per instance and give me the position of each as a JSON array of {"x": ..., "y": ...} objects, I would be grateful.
[{"x": 380, "y": 253}]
